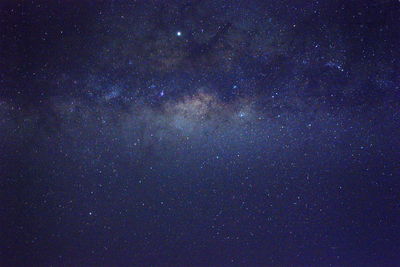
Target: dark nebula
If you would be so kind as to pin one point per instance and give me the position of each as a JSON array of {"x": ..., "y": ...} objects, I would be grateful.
[{"x": 200, "y": 133}]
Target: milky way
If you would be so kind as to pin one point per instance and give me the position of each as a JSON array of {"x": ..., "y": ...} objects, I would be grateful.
[{"x": 199, "y": 133}]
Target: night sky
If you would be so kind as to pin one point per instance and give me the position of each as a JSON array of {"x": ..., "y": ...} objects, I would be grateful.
[{"x": 200, "y": 133}]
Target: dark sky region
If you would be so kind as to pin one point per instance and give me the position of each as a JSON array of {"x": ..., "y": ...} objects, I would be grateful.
[{"x": 200, "y": 133}]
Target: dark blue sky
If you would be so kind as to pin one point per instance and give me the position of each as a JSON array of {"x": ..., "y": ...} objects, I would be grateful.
[{"x": 199, "y": 133}]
